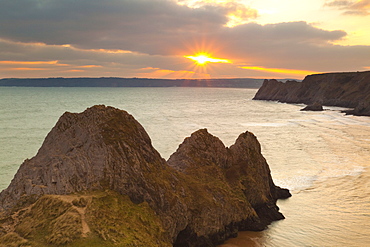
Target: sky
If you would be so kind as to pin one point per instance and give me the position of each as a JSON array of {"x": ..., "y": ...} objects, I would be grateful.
[{"x": 176, "y": 39}]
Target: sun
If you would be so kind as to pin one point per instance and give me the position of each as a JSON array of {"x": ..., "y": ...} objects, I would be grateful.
[
  {"x": 203, "y": 58},
  {"x": 199, "y": 59}
]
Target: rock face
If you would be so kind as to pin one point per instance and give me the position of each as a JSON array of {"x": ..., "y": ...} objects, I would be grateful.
[
  {"x": 204, "y": 194},
  {"x": 241, "y": 168},
  {"x": 350, "y": 89}
]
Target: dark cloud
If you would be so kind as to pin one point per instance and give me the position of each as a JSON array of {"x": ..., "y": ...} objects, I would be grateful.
[
  {"x": 75, "y": 57},
  {"x": 351, "y": 7},
  {"x": 115, "y": 24},
  {"x": 293, "y": 32},
  {"x": 90, "y": 62},
  {"x": 292, "y": 44}
]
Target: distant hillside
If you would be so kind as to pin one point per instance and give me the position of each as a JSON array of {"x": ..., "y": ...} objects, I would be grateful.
[
  {"x": 348, "y": 89},
  {"x": 130, "y": 82}
]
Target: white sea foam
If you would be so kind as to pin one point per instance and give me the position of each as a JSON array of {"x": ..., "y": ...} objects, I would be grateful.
[
  {"x": 265, "y": 124},
  {"x": 297, "y": 184},
  {"x": 337, "y": 172}
]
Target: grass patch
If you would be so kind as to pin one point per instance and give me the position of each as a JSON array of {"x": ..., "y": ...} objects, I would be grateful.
[
  {"x": 50, "y": 222},
  {"x": 118, "y": 221},
  {"x": 13, "y": 240},
  {"x": 112, "y": 218}
]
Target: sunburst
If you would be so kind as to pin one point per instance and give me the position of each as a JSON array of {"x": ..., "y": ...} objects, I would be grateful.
[{"x": 203, "y": 58}]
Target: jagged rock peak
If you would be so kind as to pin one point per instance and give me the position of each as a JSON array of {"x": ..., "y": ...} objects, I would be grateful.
[
  {"x": 102, "y": 147},
  {"x": 200, "y": 149}
]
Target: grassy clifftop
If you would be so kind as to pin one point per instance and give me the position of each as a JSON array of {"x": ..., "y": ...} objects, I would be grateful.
[{"x": 103, "y": 218}]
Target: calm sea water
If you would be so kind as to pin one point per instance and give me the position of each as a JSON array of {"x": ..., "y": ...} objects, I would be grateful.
[{"x": 322, "y": 157}]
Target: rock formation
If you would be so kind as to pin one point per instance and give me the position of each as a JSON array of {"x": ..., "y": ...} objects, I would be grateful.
[
  {"x": 350, "y": 89},
  {"x": 98, "y": 180}
]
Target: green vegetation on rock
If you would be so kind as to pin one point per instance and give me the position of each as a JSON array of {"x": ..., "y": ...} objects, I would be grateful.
[
  {"x": 112, "y": 220},
  {"x": 116, "y": 220}
]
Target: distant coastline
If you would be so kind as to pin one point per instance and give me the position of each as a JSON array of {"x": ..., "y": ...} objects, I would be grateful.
[{"x": 130, "y": 82}]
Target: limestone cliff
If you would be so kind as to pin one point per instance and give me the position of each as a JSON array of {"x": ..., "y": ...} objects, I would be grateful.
[
  {"x": 350, "y": 89},
  {"x": 97, "y": 180}
]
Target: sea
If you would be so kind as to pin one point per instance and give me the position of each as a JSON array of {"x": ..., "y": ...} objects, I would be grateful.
[{"x": 323, "y": 158}]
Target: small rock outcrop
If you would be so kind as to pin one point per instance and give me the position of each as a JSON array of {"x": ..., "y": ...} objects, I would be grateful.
[
  {"x": 98, "y": 177},
  {"x": 313, "y": 107},
  {"x": 349, "y": 89},
  {"x": 362, "y": 109}
]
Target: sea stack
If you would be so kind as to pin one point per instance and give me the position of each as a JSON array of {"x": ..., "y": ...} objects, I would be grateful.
[{"x": 98, "y": 180}]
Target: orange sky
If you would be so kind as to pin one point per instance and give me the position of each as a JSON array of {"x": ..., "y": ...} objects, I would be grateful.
[{"x": 159, "y": 39}]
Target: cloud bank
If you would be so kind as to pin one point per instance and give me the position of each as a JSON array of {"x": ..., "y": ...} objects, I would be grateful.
[{"x": 124, "y": 37}]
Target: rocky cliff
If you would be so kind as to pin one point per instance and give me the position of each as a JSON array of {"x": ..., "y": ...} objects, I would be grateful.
[
  {"x": 97, "y": 180},
  {"x": 350, "y": 89}
]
